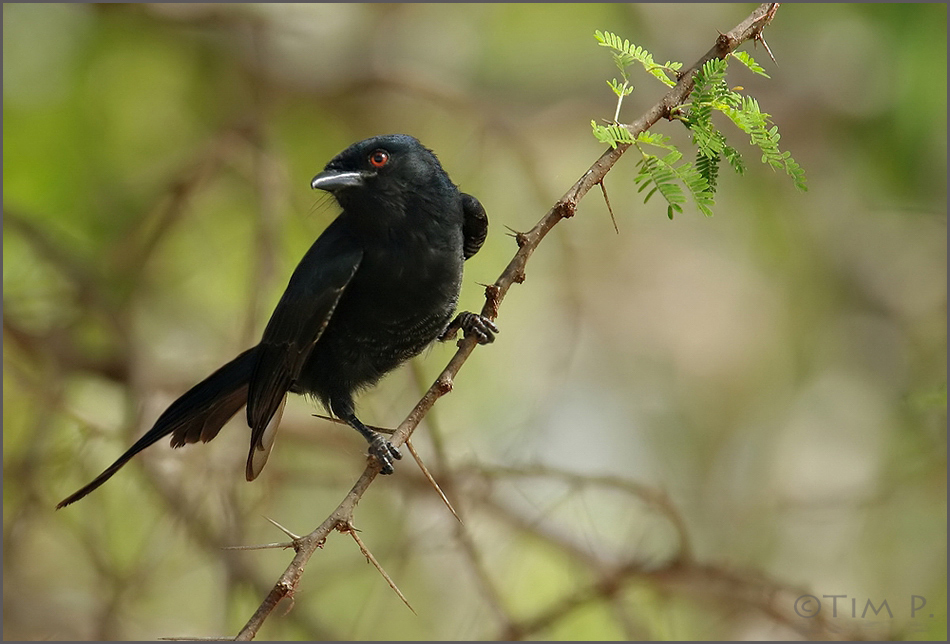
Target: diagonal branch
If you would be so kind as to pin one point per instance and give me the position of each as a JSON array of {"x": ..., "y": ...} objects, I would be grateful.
[{"x": 514, "y": 273}]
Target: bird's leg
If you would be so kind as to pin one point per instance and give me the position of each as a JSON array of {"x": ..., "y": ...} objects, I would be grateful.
[
  {"x": 475, "y": 324},
  {"x": 379, "y": 448}
]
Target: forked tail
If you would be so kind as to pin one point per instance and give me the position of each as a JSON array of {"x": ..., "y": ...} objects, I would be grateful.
[{"x": 199, "y": 414}]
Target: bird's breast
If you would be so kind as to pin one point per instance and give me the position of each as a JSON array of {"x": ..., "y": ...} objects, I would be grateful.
[
  {"x": 393, "y": 308},
  {"x": 399, "y": 300}
]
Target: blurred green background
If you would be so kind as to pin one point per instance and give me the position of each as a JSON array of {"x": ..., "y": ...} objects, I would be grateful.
[{"x": 770, "y": 382}]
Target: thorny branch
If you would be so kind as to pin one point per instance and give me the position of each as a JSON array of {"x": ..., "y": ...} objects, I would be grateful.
[{"x": 514, "y": 273}]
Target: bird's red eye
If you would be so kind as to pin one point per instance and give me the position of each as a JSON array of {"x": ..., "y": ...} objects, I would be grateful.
[{"x": 379, "y": 158}]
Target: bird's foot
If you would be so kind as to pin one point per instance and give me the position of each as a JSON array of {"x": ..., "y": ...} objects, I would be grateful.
[
  {"x": 384, "y": 453},
  {"x": 474, "y": 324}
]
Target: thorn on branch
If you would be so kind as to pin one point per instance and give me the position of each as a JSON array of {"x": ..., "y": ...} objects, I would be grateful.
[
  {"x": 375, "y": 428},
  {"x": 348, "y": 527},
  {"x": 264, "y": 546},
  {"x": 520, "y": 238},
  {"x": 759, "y": 38},
  {"x": 724, "y": 43},
  {"x": 431, "y": 479},
  {"x": 290, "y": 534},
  {"x": 609, "y": 209},
  {"x": 196, "y": 639}
]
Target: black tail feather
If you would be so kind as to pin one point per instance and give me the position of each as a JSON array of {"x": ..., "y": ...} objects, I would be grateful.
[{"x": 199, "y": 414}]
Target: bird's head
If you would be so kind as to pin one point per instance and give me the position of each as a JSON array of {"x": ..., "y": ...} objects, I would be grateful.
[{"x": 385, "y": 168}]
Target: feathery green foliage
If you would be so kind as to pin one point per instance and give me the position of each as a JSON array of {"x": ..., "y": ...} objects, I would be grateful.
[
  {"x": 663, "y": 173},
  {"x": 612, "y": 135},
  {"x": 754, "y": 122},
  {"x": 749, "y": 62},
  {"x": 626, "y": 53},
  {"x": 668, "y": 175}
]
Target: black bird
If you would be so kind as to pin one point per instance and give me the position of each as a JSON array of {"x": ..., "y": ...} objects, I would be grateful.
[{"x": 378, "y": 286}]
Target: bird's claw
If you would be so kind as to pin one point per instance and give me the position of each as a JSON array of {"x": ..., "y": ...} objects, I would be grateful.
[
  {"x": 474, "y": 324},
  {"x": 384, "y": 453}
]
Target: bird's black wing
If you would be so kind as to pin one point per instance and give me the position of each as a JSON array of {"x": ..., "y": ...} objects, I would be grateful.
[
  {"x": 474, "y": 226},
  {"x": 298, "y": 322}
]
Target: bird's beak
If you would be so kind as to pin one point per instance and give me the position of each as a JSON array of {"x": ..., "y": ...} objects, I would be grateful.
[{"x": 333, "y": 180}]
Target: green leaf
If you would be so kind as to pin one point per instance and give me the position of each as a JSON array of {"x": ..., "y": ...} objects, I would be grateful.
[
  {"x": 620, "y": 90},
  {"x": 749, "y": 62},
  {"x": 734, "y": 158},
  {"x": 658, "y": 172},
  {"x": 662, "y": 175},
  {"x": 655, "y": 139},
  {"x": 697, "y": 185},
  {"x": 751, "y": 120},
  {"x": 708, "y": 167},
  {"x": 611, "y": 134},
  {"x": 626, "y": 53}
]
